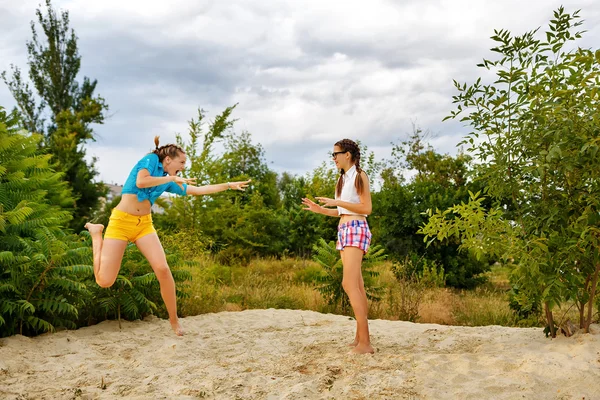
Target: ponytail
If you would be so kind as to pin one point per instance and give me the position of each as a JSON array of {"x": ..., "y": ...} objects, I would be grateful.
[{"x": 170, "y": 150}]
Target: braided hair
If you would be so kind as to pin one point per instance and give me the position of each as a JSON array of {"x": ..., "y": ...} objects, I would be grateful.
[
  {"x": 351, "y": 147},
  {"x": 171, "y": 150}
]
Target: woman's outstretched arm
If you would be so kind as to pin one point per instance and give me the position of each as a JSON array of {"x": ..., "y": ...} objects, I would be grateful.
[{"x": 219, "y": 187}]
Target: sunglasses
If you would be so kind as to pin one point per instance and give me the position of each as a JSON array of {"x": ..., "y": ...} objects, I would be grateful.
[{"x": 335, "y": 153}]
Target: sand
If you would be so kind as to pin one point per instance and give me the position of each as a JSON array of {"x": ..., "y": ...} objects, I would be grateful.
[{"x": 286, "y": 354}]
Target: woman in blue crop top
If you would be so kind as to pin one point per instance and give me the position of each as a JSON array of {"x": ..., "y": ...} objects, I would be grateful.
[
  {"x": 353, "y": 202},
  {"x": 131, "y": 221}
]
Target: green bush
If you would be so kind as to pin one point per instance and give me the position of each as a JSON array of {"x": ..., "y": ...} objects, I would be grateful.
[
  {"x": 46, "y": 274},
  {"x": 310, "y": 274},
  {"x": 421, "y": 270},
  {"x": 522, "y": 305},
  {"x": 41, "y": 267},
  {"x": 218, "y": 274},
  {"x": 330, "y": 284},
  {"x": 136, "y": 292},
  {"x": 186, "y": 243},
  {"x": 440, "y": 182}
]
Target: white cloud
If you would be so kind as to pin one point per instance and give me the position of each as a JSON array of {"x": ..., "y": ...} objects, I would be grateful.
[{"x": 305, "y": 74}]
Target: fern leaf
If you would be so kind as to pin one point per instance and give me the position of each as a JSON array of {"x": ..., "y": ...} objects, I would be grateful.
[
  {"x": 8, "y": 288},
  {"x": 85, "y": 270},
  {"x": 68, "y": 285},
  {"x": 25, "y": 306},
  {"x": 108, "y": 304},
  {"x": 39, "y": 324},
  {"x": 144, "y": 280},
  {"x": 124, "y": 280}
]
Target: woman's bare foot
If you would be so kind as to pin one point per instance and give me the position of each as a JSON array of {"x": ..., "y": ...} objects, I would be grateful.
[
  {"x": 362, "y": 349},
  {"x": 94, "y": 228},
  {"x": 176, "y": 326},
  {"x": 353, "y": 344}
]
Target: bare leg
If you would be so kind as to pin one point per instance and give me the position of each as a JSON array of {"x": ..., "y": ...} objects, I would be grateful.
[
  {"x": 363, "y": 294},
  {"x": 108, "y": 254},
  {"x": 353, "y": 283},
  {"x": 362, "y": 288},
  {"x": 151, "y": 248}
]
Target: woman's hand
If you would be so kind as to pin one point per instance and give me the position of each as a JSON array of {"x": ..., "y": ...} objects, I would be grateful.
[
  {"x": 239, "y": 185},
  {"x": 180, "y": 181},
  {"x": 327, "y": 202},
  {"x": 311, "y": 205}
]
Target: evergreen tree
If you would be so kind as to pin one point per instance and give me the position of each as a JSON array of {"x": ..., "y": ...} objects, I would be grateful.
[{"x": 54, "y": 63}]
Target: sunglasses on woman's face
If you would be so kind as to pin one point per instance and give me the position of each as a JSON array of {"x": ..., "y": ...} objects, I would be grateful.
[{"x": 335, "y": 153}]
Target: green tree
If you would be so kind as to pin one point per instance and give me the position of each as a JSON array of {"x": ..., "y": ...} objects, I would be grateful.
[
  {"x": 243, "y": 159},
  {"x": 236, "y": 225},
  {"x": 291, "y": 189},
  {"x": 305, "y": 228},
  {"x": 54, "y": 63},
  {"x": 251, "y": 223},
  {"x": 536, "y": 130},
  {"x": 41, "y": 268},
  {"x": 189, "y": 212},
  {"x": 436, "y": 181}
]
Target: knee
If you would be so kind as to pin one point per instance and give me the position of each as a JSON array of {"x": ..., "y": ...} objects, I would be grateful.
[
  {"x": 162, "y": 272},
  {"x": 103, "y": 282},
  {"x": 348, "y": 285}
]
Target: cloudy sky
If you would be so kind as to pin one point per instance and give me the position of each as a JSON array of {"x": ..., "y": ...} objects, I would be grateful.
[{"x": 305, "y": 73}]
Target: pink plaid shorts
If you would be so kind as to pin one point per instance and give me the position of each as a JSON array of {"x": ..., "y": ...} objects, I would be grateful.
[{"x": 355, "y": 233}]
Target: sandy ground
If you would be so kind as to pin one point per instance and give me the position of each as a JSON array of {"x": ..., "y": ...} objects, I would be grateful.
[{"x": 285, "y": 354}]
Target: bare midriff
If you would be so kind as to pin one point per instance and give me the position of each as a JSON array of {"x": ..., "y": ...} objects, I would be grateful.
[
  {"x": 130, "y": 204},
  {"x": 348, "y": 217}
]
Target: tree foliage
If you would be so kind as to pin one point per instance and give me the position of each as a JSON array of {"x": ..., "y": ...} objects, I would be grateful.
[
  {"x": 40, "y": 265},
  {"x": 536, "y": 130},
  {"x": 46, "y": 276},
  {"x": 267, "y": 219},
  {"x": 416, "y": 179},
  {"x": 62, "y": 109}
]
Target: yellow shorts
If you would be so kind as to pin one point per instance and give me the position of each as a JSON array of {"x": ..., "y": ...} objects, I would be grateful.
[{"x": 124, "y": 226}]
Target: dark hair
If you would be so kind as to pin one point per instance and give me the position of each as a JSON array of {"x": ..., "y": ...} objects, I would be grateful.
[
  {"x": 351, "y": 147},
  {"x": 171, "y": 150}
]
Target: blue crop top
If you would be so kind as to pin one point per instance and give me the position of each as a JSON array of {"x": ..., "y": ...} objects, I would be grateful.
[{"x": 155, "y": 167}]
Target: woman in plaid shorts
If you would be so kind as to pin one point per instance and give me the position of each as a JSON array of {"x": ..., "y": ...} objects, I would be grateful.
[{"x": 353, "y": 202}]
